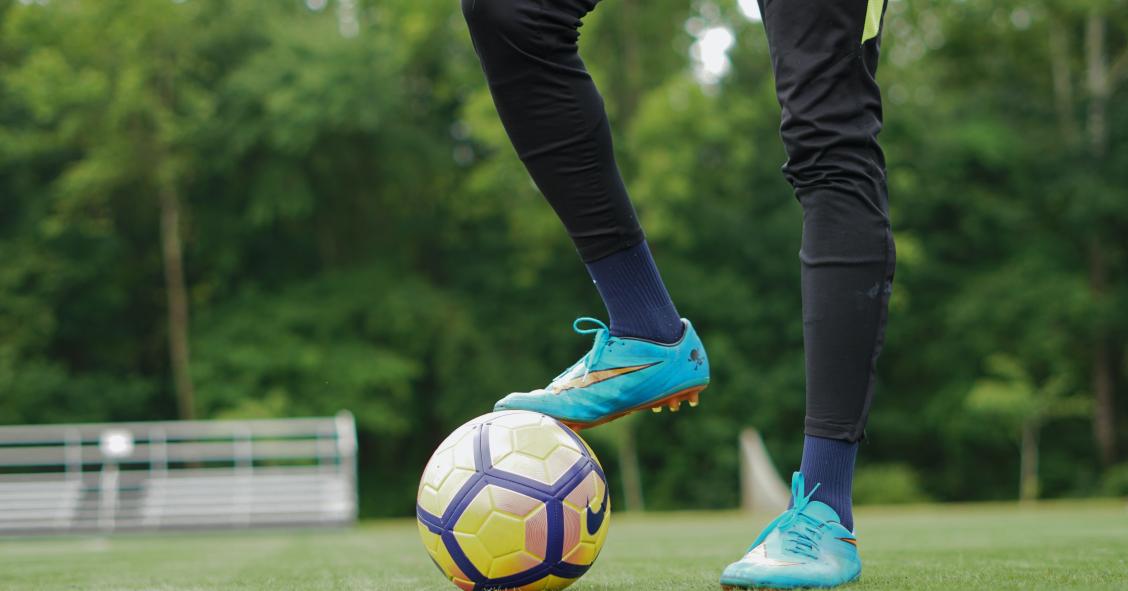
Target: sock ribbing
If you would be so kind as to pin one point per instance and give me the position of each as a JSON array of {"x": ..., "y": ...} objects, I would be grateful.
[
  {"x": 830, "y": 462},
  {"x": 636, "y": 299}
]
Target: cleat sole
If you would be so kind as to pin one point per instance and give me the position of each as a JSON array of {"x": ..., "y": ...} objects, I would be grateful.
[
  {"x": 755, "y": 588},
  {"x": 673, "y": 401},
  {"x": 731, "y": 587},
  {"x": 725, "y": 587}
]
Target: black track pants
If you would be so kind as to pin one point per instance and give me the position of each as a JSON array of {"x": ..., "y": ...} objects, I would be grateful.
[
  {"x": 824, "y": 56},
  {"x": 554, "y": 115}
]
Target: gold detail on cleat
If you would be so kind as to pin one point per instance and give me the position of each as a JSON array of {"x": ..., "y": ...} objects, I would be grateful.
[
  {"x": 675, "y": 406},
  {"x": 694, "y": 399},
  {"x": 595, "y": 377},
  {"x": 656, "y": 409}
]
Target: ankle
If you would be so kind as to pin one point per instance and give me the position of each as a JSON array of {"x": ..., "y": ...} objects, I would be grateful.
[
  {"x": 637, "y": 301},
  {"x": 830, "y": 463}
]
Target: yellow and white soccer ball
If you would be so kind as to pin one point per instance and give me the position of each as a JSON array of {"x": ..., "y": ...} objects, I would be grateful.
[{"x": 513, "y": 500}]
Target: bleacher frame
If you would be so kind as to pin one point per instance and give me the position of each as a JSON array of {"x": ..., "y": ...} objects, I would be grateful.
[{"x": 177, "y": 474}]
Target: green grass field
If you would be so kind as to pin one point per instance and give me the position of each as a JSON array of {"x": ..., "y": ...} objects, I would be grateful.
[{"x": 1051, "y": 546}]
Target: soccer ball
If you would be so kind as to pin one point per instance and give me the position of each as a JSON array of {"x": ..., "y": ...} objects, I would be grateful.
[{"x": 513, "y": 500}]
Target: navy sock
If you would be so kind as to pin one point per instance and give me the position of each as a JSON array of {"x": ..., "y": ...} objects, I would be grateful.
[
  {"x": 830, "y": 462},
  {"x": 636, "y": 299}
]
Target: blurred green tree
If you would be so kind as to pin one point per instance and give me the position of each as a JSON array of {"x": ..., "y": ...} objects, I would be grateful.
[
  {"x": 355, "y": 230},
  {"x": 1011, "y": 398}
]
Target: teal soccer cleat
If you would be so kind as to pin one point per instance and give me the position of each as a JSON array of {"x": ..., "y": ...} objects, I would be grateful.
[
  {"x": 620, "y": 375},
  {"x": 804, "y": 547}
]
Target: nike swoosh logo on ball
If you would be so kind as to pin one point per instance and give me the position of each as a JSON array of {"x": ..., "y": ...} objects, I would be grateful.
[{"x": 595, "y": 520}]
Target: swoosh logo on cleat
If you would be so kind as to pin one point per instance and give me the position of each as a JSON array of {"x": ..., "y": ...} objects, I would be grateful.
[
  {"x": 595, "y": 520},
  {"x": 595, "y": 377},
  {"x": 759, "y": 556},
  {"x": 851, "y": 541}
]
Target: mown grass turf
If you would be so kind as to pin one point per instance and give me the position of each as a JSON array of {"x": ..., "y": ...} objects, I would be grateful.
[{"x": 1051, "y": 546}]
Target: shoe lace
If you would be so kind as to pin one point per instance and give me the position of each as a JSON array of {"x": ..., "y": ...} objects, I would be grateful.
[
  {"x": 800, "y": 532},
  {"x": 602, "y": 335}
]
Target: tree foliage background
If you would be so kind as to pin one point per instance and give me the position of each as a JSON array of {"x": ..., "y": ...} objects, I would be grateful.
[{"x": 327, "y": 190}]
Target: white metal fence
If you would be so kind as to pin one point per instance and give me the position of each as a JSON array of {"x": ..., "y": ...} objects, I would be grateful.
[{"x": 177, "y": 474}]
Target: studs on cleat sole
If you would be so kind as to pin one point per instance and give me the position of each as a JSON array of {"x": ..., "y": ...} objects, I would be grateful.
[{"x": 674, "y": 402}]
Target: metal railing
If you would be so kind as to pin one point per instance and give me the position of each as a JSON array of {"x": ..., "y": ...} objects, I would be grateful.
[{"x": 177, "y": 474}]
